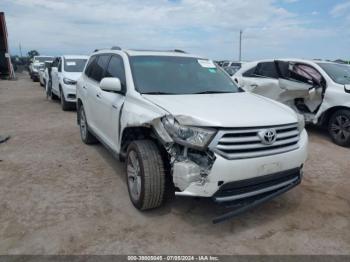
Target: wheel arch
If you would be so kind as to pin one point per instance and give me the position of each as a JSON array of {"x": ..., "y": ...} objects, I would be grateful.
[
  {"x": 132, "y": 133},
  {"x": 326, "y": 116}
]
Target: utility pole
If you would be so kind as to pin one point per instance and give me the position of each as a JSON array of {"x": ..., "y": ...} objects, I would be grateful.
[
  {"x": 240, "y": 45},
  {"x": 20, "y": 49}
]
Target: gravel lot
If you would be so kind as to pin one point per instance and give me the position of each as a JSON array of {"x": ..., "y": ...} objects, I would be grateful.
[{"x": 60, "y": 196}]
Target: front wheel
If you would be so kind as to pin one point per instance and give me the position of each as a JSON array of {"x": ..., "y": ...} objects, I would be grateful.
[
  {"x": 64, "y": 104},
  {"x": 50, "y": 94},
  {"x": 145, "y": 175},
  {"x": 85, "y": 134},
  {"x": 339, "y": 127}
]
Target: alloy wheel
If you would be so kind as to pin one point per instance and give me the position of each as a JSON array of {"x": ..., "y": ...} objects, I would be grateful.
[
  {"x": 340, "y": 128},
  {"x": 134, "y": 175},
  {"x": 83, "y": 126}
]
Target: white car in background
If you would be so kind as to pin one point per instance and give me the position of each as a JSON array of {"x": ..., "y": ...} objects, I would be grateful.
[
  {"x": 64, "y": 77},
  {"x": 183, "y": 125},
  {"x": 36, "y": 64},
  {"x": 43, "y": 73},
  {"x": 319, "y": 90}
]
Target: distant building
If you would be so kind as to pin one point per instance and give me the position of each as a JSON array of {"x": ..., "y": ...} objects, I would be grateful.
[{"x": 6, "y": 69}]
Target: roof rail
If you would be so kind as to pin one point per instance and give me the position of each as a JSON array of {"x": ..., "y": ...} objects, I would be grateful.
[
  {"x": 116, "y": 48},
  {"x": 179, "y": 51}
]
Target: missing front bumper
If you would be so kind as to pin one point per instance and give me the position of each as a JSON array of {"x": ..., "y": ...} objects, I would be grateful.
[{"x": 247, "y": 194}]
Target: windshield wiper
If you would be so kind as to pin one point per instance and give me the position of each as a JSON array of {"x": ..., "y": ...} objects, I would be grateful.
[
  {"x": 157, "y": 93},
  {"x": 211, "y": 92}
]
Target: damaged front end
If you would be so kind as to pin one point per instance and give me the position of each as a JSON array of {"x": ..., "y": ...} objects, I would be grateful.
[
  {"x": 198, "y": 172},
  {"x": 187, "y": 146}
]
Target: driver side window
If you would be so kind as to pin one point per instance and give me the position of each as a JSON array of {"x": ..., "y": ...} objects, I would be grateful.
[
  {"x": 115, "y": 68},
  {"x": 60, "y": 65}
]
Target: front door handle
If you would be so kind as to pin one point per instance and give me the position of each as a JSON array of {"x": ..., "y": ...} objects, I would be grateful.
[
  {"x": 84, "y": 87},
  {"x": 254, "y": 85},
  {"x": 115, "y": 106}
]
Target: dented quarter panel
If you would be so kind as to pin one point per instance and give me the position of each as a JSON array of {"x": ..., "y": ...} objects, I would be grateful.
[
  {"x": 335, "y": 96},
  {"x": 138, "y": 112}
]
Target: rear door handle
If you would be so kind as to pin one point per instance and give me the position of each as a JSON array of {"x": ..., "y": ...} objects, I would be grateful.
[
  {"x": 98, "y": 95},
  {"x": 254, "y": 85},
  {"x": 84, "y": 87}
]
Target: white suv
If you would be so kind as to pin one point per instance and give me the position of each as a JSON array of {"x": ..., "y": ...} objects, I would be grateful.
[
  {"x": 36, "y": 64},
  {"x": 183, "y": 125},
  {"x": 319, "y": 90},
  {"x": 64, "y": 78}
]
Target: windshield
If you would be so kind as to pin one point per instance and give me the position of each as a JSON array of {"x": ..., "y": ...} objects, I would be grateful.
[
  {"x": 74, "y": 65},
  {"x": 338, "y": 72},
  {"x": 43, "y": 59},
  {"x": 179, "y": 75}
]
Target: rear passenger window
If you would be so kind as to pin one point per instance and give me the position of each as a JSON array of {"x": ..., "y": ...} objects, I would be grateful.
[
  {"x": 116, "y": 69},
  {"x": 98, "y": 67},
  {"x": 250, "y": 72},
  {"x": 266, "y": 69}
]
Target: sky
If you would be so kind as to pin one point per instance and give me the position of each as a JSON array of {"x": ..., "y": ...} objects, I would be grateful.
[{"x": 271, "y": 28}]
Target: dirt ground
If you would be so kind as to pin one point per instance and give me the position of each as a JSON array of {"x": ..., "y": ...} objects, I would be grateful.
[{"x": 60, "y": 196}]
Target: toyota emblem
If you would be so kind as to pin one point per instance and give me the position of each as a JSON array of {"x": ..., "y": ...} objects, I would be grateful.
[{"x": 268, "y": 136}]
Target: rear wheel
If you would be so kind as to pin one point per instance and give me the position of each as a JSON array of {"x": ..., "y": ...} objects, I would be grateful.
[
  {"x": 85, "y": 134},
  {"x": 339, "y": 127},
  {"x": 145, "y": 175}
]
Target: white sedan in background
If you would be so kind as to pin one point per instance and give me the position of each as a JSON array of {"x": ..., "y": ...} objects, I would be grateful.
[
  {"x": 64, "y": 79},
  {"x": 319, "y": 90}
]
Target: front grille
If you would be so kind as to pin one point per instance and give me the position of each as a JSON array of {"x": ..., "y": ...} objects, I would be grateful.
[
  {"x": 71, "y": 96},
  {"x": 242, "y": 143}
]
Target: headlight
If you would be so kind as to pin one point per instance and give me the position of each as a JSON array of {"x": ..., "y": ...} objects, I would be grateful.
[
  {"x": 187, "y": 135},
  {"x": 301, "y": 122},
  {"x": 68, "y": 81}
]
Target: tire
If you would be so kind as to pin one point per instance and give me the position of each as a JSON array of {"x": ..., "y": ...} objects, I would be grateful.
[
  {"x": 50, "y": 93},
  {"x": 147, "y": 188},
  {"x": 85, "y": 134},
  {"x": 48, "y": 90},
  {"x": 64, "y": 104},
  {"x": 339, "y": 127},
  {"x": 53, "y": 96}
]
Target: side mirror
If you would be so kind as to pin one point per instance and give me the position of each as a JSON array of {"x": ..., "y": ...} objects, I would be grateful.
[
  {"x": 347, "y": 88},
  {"x": 111, "y": 84}
]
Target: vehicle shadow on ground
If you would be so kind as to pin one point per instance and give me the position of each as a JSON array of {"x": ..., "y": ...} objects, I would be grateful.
[
  {"x": 319, "y": 131},
  {"x": 320, "y": 135}
]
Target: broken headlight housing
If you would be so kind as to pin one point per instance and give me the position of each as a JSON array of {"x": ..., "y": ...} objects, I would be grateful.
[
  {"x": 301, "y": 122},
  {"x": 189, "y": 136}
]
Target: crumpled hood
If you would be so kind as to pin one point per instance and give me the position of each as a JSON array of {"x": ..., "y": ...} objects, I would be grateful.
[{"x": 224, "y": 110}]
